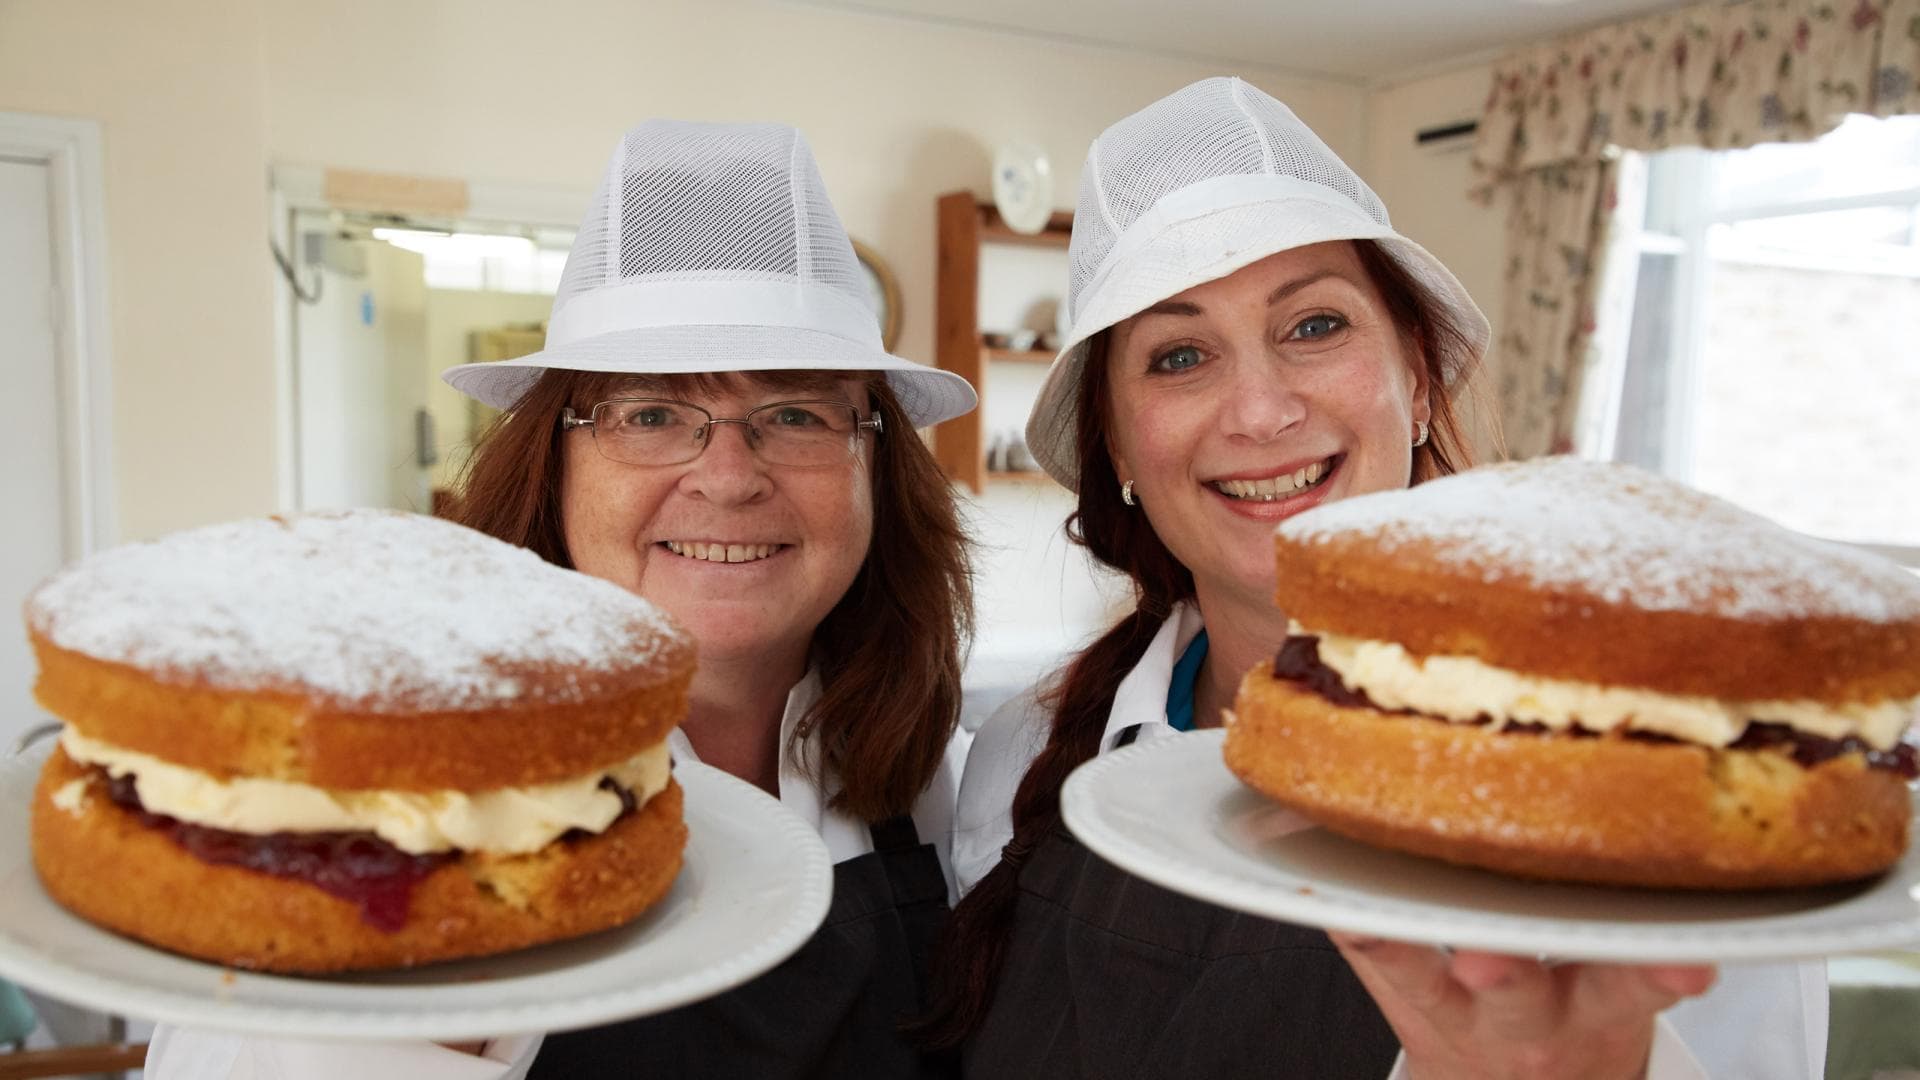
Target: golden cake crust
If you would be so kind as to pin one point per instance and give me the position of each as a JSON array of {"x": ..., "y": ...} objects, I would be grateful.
[
  {"x": 1550, "y": 806},
  {"x": 359, "y": 649},
  {"x": 1601, "y": 573},
  {"x": 1428, "y": 597},
  {"x": 474, "y": 906},
  {"x": 283, "y": 736}
]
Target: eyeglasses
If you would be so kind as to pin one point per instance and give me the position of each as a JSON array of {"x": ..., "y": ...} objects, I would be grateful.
[{"x": 657, "y": 431}]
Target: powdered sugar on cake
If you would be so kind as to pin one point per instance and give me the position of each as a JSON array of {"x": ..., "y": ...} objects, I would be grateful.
[
  {"x": 371, "y": 609},
  {"x": 1624, "y": 536}
]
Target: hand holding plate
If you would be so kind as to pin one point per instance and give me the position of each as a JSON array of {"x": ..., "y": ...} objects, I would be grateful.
[{"x": 1486, "y": 1015}]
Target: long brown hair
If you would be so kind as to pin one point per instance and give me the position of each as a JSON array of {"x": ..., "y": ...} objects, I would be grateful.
[
  {"x": 888, "y": 653},
  {"x": 974, "y": 943}
]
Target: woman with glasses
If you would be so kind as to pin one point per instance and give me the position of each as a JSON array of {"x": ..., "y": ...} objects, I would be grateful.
[
  {"x": 1251, "y": 338},
  {"x": 714, "y": 425}
]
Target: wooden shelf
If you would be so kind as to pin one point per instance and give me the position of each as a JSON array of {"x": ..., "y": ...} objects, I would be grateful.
[
  {"x": 963, "y": 224},
  {"x": 1058, "y": 230},
  {"x": 73, "y": 1060},
  {"x": 1017, "y": 356},
  {"x": 1033, "y": 477}
]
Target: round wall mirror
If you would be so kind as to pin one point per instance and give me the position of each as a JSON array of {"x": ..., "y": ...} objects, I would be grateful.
[{"x": 885, "y": 292}]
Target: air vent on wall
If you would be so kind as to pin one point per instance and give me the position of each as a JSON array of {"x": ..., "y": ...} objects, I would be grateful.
[{"x": 1443, "y": 138}]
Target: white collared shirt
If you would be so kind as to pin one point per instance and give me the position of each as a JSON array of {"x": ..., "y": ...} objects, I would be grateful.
[
  {"x": 197, "y": 1054},
  {"x": 1016, "y": 733},
  {"x": 1759, "y": 1022},
  {"x": 848, "y": 837}
]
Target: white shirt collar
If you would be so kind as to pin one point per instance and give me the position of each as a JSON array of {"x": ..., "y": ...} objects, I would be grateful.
[
  {"x": 847, "y": 837},
  {"x": 1141, "y": 697}
]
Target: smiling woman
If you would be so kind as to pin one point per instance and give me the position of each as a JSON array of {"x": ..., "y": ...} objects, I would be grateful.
[
  {"x": 715, "y": 426},
  {"x": 1251, "y": 339}
]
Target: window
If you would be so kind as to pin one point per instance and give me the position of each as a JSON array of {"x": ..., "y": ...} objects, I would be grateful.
[{"x": 1773, "y": 351}]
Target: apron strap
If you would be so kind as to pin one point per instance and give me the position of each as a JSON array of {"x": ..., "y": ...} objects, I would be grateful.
[{"x": 894, "y": 834}]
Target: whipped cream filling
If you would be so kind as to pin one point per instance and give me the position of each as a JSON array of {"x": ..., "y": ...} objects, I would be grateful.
[
  {"x": 71, "y": 796},
  {"x": 506, "y": 821},
  {"x": 1461, "y": 689}
]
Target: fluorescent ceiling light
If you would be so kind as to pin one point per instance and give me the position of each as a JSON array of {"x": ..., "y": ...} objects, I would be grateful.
[{"x": 456, "y": 245}]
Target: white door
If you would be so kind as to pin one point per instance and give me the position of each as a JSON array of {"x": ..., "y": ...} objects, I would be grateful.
[
  {"x": 400, "y": 280},
  {"x": 32, "y": 531},
  {"x": 358, "y": 350}
]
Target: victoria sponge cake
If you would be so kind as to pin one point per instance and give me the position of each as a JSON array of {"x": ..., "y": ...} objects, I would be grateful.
[
  {"x": 1579, "y": 671},
  {"x": 367, "y": 739}
]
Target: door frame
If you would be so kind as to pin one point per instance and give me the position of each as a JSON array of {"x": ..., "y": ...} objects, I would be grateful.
[
  {"x": 70, "y": 150},
  {"x": 293, "y": 189}
]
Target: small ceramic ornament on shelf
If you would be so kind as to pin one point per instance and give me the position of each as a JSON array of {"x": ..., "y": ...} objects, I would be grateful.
[
  {"x": 997, "y": 454},
  {"x": 1019, "y": 458}
]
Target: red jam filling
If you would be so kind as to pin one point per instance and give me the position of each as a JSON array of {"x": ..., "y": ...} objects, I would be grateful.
[
  {"x": 1299, "y": 661},
  {"x": 357, "y": 867}
]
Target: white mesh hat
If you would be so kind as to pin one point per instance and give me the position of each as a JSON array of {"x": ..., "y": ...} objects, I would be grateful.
[
  {"x": 712, "y": 248},
  {"x": 1209, "y": 179}
]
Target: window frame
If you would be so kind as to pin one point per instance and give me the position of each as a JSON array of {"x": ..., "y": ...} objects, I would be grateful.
[{"x": 1666, "y": 209}]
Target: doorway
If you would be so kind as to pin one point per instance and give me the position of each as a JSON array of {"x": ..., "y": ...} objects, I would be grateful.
[
  {"x": 33, "y": 538},
  {"x": 55, "y": 425},
  {"x": 373, "y": 306}
]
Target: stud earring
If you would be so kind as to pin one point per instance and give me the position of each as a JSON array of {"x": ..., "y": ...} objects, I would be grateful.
[
  {"x": 1420, "y": 433},
  {"x": 1126, "y": 493}
]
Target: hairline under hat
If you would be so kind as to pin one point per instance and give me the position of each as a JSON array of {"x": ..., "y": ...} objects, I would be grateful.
[{"x": 1053, "y": 444}]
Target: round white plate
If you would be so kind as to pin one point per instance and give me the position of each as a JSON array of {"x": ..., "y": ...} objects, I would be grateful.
[
  {"x": 1022, "y": 187},
  {"x": 753, "y": 888},
  {"x": 1169, "y": 811}
]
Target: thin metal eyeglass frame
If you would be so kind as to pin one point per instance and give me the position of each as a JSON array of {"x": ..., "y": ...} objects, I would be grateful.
[{"x": 569, "y": 420}]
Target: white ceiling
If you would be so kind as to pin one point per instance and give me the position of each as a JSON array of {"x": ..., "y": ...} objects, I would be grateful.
[{"x": 1368, "y": 41}]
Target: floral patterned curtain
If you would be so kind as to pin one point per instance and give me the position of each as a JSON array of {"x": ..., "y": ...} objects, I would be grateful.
[
  {"x": 1555, "y": 228},
  {"x": 1719, "y": 76}
]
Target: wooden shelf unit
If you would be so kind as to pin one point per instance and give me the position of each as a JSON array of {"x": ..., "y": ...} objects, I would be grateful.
[
  {"x": 1016, "y": 356},
  {"x": 965, "y": 223},
  {"x": 1019, "y": 476}
]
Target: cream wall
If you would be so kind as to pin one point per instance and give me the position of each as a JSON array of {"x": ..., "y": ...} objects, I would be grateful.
[
  {"x": 1425, "y": 190},
  {"x": 897, "y": 111},
  {"x": 198, "y": 97},
  {"x": 176, "y": 88}
]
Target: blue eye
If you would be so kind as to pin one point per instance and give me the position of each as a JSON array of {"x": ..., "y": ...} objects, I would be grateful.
[
  {"x": 1178, "y": 358},
  {"x": 1315, "y": 327}
]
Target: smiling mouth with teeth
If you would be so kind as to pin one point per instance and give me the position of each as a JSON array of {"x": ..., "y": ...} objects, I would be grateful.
[
  {"x": 726, "y": 553},
  {"x": 1275, "y": 488}
]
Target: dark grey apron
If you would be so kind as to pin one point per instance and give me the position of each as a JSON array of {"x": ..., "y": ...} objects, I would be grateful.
[
  {"x": 1110, "y": 977},
  {"x": 831, "y": 1010}
]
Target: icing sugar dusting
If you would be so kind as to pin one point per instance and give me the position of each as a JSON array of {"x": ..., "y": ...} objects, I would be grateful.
[
  {"x": 1626, "y": 536},
  {"x": 373, "y": 609}
]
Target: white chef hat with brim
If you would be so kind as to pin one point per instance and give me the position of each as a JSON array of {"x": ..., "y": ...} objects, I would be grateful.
[
  {"x": 1201, "y": 183},
  {"x": 712, "y": 248}
]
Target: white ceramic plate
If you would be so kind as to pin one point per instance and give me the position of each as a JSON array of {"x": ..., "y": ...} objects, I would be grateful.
[
  {"x": 1022, "y": 187},
  {"x": 1169, "y": 811},
  {"x": 754, "y": 886}
]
